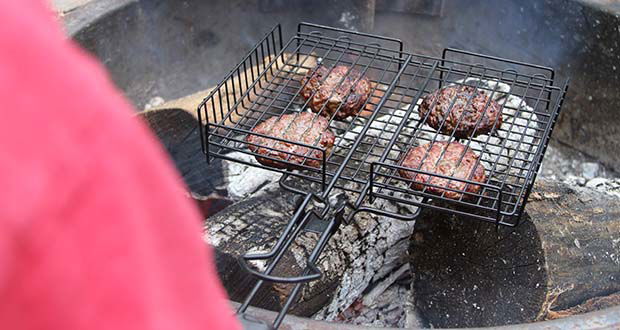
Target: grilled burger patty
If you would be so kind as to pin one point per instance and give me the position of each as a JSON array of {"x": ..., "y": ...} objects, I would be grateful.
[
  {"x": 336, "y": 88},
  {"x": 425, "y": 158},
  {"x": 302, "y": 127},
  {"x": 462, "y": 105}
]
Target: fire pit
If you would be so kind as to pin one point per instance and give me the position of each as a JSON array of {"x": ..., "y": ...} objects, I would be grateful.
[
  {"x": 368, "y": 152},
  {"x": 367, "y": 265}
]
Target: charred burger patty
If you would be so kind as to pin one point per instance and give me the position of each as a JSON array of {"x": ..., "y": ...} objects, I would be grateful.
[
  {"x": 464, "y": 110},
  {"x": 448, "y": 159},
  {"x": 343, "y": 87},
  {"x": 304, "y": 127}
]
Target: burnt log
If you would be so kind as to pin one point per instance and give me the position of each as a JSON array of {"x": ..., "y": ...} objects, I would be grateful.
[
  {"x": 177, "y": 130},
  {"x": 254, "y": 225},
  {"x": 564, "y": 258},
  {"x": 355, "y": 258}
]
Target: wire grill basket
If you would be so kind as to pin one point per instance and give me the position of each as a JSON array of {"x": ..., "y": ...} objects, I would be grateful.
[{"x": 367, "y": 154}]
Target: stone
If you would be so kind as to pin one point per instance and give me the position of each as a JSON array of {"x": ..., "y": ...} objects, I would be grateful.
[
  {"x": 590, "y": 170},
  {"x": 575, "y": 180},
  {"x": 596, "y": 182},
  {"x": 614, "y": 184},
  {"x": 154, "y": 102}
]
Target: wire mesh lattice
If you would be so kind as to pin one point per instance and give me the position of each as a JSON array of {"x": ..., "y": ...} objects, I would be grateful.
[{"x": 369, "y": 145}]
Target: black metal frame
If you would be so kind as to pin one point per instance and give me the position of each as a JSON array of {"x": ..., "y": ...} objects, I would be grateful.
[{"x": 365, "y": 159}]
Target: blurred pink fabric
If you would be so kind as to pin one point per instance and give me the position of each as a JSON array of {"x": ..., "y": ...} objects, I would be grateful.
[{"x": 96, "y": 231}]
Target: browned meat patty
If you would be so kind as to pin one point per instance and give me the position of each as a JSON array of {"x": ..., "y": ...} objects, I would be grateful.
[
  {"x": 425, "y": 157},
  {"x": 302, "y": 127},
  {"x": 336, "y": 88},
  {"x": 469, "y": 106}
]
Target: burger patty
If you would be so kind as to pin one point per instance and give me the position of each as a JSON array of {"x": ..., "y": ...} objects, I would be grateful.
[
  {"x": 335, "y": 88},
  {"x": 461, "y": 109},
  {"x": 431, "y": 158},
  {"x": 304, "y": 127}
]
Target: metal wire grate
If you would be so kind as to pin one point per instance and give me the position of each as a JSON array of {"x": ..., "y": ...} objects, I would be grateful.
[
  {"x": 276, "y": 91},
  {"x": 369, "y": 146},
  {"x": 511, "y": 155},
  {"x": 367, "y": 142}
]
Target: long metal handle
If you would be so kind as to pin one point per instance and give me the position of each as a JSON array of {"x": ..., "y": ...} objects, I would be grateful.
[
  {"x": 298, "y": 223},
  {"x": 278, "y": 251},
  {"x": 315, "y": 273}
]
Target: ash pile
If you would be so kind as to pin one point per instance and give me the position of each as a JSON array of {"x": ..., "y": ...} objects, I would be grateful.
[{"x": 576, "y": 169}]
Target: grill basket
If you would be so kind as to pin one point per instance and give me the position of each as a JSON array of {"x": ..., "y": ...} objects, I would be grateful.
[{"x": 364, "y": 161}]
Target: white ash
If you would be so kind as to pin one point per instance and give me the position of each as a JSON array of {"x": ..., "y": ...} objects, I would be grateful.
[
  {"x": 424, "y": 133},
  {"x": 487, "y": 147},
  {"x": 345, "y": 141},
  {"x": 244, "y": 180},
  {"x": 514, "y": 145},
  {"x": 374, "y": 251},
  {"x": 387, "y": 310},
  {"x": 302, "y": 249},
  {"x": 370, "y": 299},
  {"x": 383, "y": 126},
  {"x": 259, "y": 265},
  {"x": 413, "y": 317},
  {"x": 578, "y": 180},
  {"x": 154, "y": 102},
  {"x": 376, "y": 246},
  {"x": 596, "y": 183},
  {"x": 512, "y": 104},
  {"x": 610, "y": 186},
  {"x": 590, "y": 170},
  {"x": 574, "y": 168},
  {"x": 393, "y": 256},
  {"x": 495, "y": 88}
]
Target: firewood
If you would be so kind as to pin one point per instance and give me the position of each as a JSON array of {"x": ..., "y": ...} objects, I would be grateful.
[
  {"x": 354, "y": 258},
  {"x": 565, "y": 252}
]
